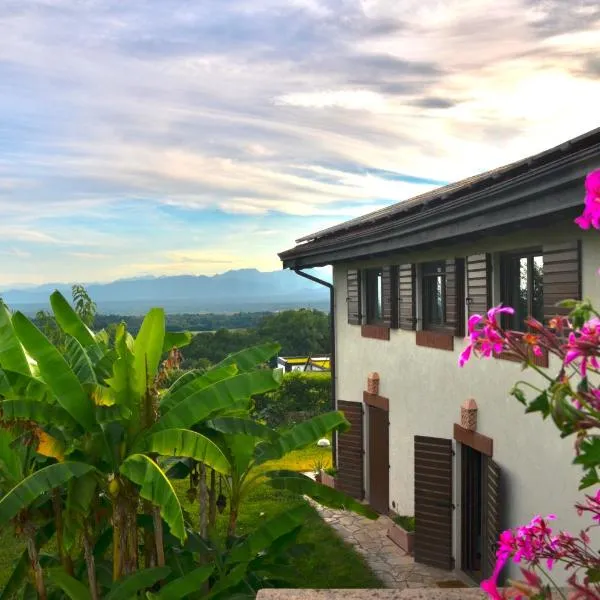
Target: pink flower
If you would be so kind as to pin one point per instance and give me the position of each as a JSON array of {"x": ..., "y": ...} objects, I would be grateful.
[
  {"x": 584, "y": 345},
  {"x": 591, "y": 211},
  {"x": 490, "y": 586}
]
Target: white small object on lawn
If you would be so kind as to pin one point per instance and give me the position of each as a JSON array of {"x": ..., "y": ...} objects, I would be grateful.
[{"x": 323, "y": 443}]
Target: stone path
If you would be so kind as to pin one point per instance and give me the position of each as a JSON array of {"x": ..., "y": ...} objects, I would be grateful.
[{"x": 393, "y": 566}]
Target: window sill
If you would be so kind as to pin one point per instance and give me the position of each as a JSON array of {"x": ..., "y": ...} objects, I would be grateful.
[
  {"x": 441, "y": 340},
  {"x": 375, "y": 332}
]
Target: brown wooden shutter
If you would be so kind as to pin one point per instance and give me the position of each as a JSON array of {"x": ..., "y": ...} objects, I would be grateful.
[
  {"x": 349, "y": 477},
  {"x": 433, "y": 502},
  {"x": 406, "y": 297},
  {"x": 353, "y": 296},
  {"x": 455, "y": 296},
  {"x": 389, "y": 295},
  {"x": 479, "y": 284},
  {"x": 562, "y": 276},
  {"x": 490, "y": 514}
]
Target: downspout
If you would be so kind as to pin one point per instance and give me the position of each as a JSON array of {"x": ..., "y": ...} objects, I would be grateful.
[{"x": 332, "y": 355}]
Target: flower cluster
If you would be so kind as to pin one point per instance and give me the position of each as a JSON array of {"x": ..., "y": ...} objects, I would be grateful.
[
  {"x": 591, "y": 211},
  {"x": 584, "y": 346}
]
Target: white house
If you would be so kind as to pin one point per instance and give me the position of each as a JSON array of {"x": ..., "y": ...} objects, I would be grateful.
[
  {"x": 318, "y": 364},
  {"x": 406, "y": 278}
]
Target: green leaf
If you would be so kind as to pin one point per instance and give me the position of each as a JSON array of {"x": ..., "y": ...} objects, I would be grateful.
[
  {"x": 236, "y": 425},
  {"x": 148, "y": 349},
  {"x": 232, "y": 579},
  {"x": 268, "y": 532},
  {"x": 40, "y": 412},
  {"x": 302, "y": 435},
  {"x": 220, "y": 396},
  {"x": 519, "y": 395},
  {"x": 128, "y": 587},
  {"x": 183, "y": 586},
  {"x": 301, "y": 484},
  {"x": 56, "y": 372},
  {"x": 568, "y": 303},
  {"x": 80, "y": 362},
  {"x": 192, "y": 382},
  {"x": 70, "y": 322},
  {"x": 69, "y": 585},
  {"x": 11, "y": 460},
  {"x": 540, "y": 404},
  {"x": 12, "y": 355},
  {"x": 176, "y": 339},
  {"x": 589, "y": 479},
  {"x": 189, "y": 444},
  {"x": 593, "y": 575},
  {"x": 156, "y": 488},
  {"x": 15, "y": 386},
  {"x": 589, "y": 453},
  {"x": 250, "y": 358},
  {"x": 80, "y": 493},
  {"x": 40, "y": 482}
]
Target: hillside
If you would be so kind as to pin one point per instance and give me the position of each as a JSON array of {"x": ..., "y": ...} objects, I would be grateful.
[{"x": 233, "y": 291}]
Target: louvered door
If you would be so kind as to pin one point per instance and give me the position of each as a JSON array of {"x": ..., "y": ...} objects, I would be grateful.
[
  {"x": 491, "y": 515},
  {"x": 433, "y": 502},
  {"x": 349, "y": 478}
]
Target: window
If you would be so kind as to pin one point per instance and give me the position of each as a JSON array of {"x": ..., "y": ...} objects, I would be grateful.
[
  {"x": 434, "y": 295},
  {"x": 522, "y": 287},
  {"x": 374, "y": 292}
]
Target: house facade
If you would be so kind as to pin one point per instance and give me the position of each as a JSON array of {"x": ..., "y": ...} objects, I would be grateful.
[
  {"x": 313, "y": 364},
  {"x": 406, "y": 279}
]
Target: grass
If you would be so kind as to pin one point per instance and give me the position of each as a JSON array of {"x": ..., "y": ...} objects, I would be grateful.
[
  {"x": 331, "y": 564},
  {"x": 407, "y": 523}
]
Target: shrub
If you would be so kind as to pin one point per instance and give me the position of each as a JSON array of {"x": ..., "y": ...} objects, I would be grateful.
[
  {"x": 301, "y": 395},
  {"x": 407, "y": 523}
]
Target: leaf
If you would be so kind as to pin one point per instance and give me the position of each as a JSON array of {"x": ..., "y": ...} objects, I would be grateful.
[
  {"x": 540, "y": 404},
  {"x": 248, "y": 359},
  {"x": 589, "y": 479},
  {"x": 156, "y": 488},
  {"x": 301, "y": 484},
  {"x": 519, "y": 395},
  {"x": 15, "y": 386},
  {"x": 232, "y": 579},
  {"x": 11, "y": 460},
  {"x": 176, "y": 339},
  {"x": 50, "y": 446},
  {"x": 70, "y": 322},
  {"x": 73, "y": 589},
  {"x": 183, "y": 586},
  {"x": 236, "y": 425},
  {"x": 268, "y": 532},
  {"x": 148, "y": 349},
  {"x": 56, "y": 372},
  {"x": 12, "y": 355},
  {"x": 80, "y": 493},
  {"x": 589, "y": 453},
  {"x": 220, "y": 396},
  {"x": 302, "y": 435},
  {"x": 192, "y": 382},
  {"x": 189, "y": 444},
  {"x": 129, "y": 586},
  {"x": 40, "y": 412},
  {"x": 80, "y": 362},
  {"x": 38, "y": 483},
  {"x": 593, "y": 575}
]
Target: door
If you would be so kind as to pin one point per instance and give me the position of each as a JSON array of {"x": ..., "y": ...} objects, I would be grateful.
[
  {"x": 379, "y": 459},
  {"x": 491, "y": 515},
  {"x": 471, "y": 512},
  {"x": 433, "y": 502}
]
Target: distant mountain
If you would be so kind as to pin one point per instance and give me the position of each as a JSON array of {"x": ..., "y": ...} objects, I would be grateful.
[{"x": 233, "y": 291}]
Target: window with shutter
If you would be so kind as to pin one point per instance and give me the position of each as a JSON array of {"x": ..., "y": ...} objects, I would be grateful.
[
  {"x": 433, "y": 502},
  {"x": 389, "y": 300},
  {"x": 479, "y": 284},
  {"x": 561, "y": 277},
  {"x": 406, "y": 297},
  {"x": 353, "y": 296}
]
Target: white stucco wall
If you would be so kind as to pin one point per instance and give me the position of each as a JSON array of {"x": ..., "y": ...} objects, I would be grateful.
[{"x": 425, "y": 388}]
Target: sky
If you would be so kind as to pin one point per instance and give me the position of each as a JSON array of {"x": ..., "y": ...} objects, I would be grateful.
[{"x": 168, "y": 136}]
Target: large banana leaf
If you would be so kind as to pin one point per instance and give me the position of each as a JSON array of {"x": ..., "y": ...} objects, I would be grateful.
[
  {"x": 156, "y": 488},
  {"x": 176, "y": 339},
  {"x": 148, "y": 349},
  {"x": 302, "y": 435},
  {"x": 12, "y": 355},
  {"x": 69, "y": 585},
  {"x": 128, "y": 587},
  {"x": 236, "y": 425},
  {"x": 14, "y": 386},
  {"x": 70, "y": 322},
  {"x": 11, "y": 460},
  {"x": 40, "y": 482},
  {"x": 80, "y": 362},
  {"x": 55, "y": 371},
  {"x": 268, "y": 532},
  {"x": 301, "y": 484},
  {"x": 220, "y": 396},
  {"x": 80, "y": 493},
  {"x": 192, "y": 382},
  {"x": 183, "y": 442},
  {"x": 184, "y": 586},
  {"x": 250, "y": 358},
  {"x": 40, "y": 412}
]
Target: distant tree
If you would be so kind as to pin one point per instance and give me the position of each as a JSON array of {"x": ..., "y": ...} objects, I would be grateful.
[{"x": 84, "y": 305}]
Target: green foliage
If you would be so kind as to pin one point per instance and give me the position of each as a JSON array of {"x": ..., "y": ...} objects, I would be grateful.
[
  {"x": 407, "y": 523},
  {"x": 84, "y": 305},
  {"x": 301, "y": 395}
]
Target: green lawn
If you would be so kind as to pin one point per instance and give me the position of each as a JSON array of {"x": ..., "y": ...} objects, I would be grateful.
[{"x": 332, "y": 563}]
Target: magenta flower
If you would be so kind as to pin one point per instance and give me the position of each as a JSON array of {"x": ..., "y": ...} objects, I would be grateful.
[
  {"x": 591, "y": 210},
  {"x": 583, "y": 346}
]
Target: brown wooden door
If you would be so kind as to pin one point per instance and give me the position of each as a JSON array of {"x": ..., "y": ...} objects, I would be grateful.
[
  {"x": 491, "y": 514},
  {"x": 379, "y": 459},
  {"x": 433, "y": 502},
  {"x": 349, "y": 478}
]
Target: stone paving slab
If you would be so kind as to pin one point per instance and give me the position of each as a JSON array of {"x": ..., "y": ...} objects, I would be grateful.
[{"x": 406, "y": 594}]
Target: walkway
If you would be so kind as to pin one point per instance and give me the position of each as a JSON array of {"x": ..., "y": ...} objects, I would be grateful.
[{"x": 393, "y": 566}]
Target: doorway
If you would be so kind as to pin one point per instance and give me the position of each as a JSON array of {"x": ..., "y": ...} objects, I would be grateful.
[
  {"x": 472, "y": 513},
  {"x": 379, "y": 461}
]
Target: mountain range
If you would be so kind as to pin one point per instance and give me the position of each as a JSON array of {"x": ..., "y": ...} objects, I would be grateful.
[{"x": 234, "y": 291}]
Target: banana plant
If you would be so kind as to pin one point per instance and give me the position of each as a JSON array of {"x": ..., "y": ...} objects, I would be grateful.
[{"x": 106, "y": 427}]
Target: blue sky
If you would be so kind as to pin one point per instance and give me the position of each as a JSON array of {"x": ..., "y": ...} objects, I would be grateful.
[{"x": 164, "y": 137}]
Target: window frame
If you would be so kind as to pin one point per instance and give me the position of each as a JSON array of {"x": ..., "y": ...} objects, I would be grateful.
[
  {"x": 426, "y": 324},
  {"x": 374, "y": 296}
]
